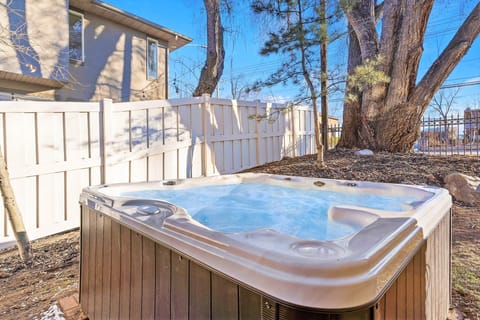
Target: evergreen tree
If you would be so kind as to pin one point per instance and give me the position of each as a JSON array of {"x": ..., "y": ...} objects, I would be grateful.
[{"x": 300, "y": 33}]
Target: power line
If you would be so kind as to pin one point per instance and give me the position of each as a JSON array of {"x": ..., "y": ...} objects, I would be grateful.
[
  {"x": 461, "y": 85},
  {"x": 463, "y": 78},
  {"x": 273, "y": 65}
]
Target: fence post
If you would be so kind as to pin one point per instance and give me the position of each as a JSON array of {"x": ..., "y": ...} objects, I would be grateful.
[
  {"x": 205, "y": 117},
  {"x": 257, "y": 133},
  {"x": 294, "y": 135},
  {"x": 105, "y": 136},
  {"x": 269, "y": 142}
]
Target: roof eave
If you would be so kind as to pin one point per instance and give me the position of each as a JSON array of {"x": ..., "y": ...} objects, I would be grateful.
[{"x": 173, "y": 39}]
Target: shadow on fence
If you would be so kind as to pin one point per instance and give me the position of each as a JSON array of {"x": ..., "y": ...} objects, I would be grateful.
[{"x": 54, "y": 149}]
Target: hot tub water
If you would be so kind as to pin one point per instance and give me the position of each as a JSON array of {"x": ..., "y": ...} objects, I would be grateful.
[{"x": 246, "y": 207}]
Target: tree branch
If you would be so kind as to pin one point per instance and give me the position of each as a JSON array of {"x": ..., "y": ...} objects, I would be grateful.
[
  {"x": 362, "y": 20},
  {"x": 448, "y": 59},
  {"x": 213, "y": 69},
  {"x": 410, "y": 30},
  {"x": 379, "y": 11}
]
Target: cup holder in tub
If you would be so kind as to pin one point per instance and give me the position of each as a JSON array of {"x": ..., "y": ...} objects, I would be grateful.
[
  {"x": 151, "y": 207},
  {"x": 318, "y": 249}
]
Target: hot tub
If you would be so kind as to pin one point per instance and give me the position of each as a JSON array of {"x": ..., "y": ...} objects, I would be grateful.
[{"x": 258, "y": 246}]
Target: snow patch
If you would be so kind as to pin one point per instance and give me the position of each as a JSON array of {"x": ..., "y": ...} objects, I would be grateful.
[
  {"x": 52, "y": 313},
  {"x": 364, "y": 152}
]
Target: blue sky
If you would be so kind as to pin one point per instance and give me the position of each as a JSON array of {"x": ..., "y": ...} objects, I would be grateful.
[{"x": 243, "y": 59}]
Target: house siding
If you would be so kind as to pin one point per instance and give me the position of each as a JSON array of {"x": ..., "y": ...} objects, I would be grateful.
[
  {"x": 114, "y": 66},
  {"x": 40, "y": 49}
]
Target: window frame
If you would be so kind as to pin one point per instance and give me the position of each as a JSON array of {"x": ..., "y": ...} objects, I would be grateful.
[
  {"x": 147, "y": 58},
  {"x": 81, "y": 16}
]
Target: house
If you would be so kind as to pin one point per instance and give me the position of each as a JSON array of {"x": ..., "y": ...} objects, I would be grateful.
[
  {"x": 472, "y": 125},
  {"x": 438, "y": 136},
  {"x": 83, "y": 50}
]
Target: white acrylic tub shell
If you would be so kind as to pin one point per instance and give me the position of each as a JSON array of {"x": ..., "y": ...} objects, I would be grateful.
[{"x": 346, "y": 273}]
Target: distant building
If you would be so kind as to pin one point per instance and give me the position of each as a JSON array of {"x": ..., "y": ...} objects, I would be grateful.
[
  {"x": 437, "y": 136},
  {"x": 334, "y": 127},
  {"x": 472, "y": 125}
]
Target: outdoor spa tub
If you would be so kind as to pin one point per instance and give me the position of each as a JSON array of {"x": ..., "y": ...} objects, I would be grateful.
[{"x": 259, "y": 246}]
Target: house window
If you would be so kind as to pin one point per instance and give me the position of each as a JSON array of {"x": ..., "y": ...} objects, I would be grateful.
[
  {"x": 152, "y": 59},
  {"x": 75, "y": 43}
]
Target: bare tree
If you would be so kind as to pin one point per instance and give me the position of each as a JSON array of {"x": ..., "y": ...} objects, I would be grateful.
[
  {"x": 185, "y": 79},
  {"x": 213, "y": 68},
  {"x": 385, "y": 101},
  {"x": 238, "y": 85},
  {"x": 238, "y": 88},
  {"x": 12, "y": 36},
  {"x": 14, "y": 214},
  {"x": 442, "y": 103}
]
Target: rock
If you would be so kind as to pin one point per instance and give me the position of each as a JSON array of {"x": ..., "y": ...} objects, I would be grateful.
[
  {"x": 364, "y": 152},
  {"x": 455, "y": 314},
  {"x": 463, "y": 188}
]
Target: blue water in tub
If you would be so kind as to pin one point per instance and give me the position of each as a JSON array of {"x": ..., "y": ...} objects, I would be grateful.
[{"x": 245, "y": 207}]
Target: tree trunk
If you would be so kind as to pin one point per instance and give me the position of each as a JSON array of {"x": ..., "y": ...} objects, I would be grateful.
[
  {"x": 355, "y": 132},
  {"x": 324, "y": 72},
  {"x": 387, "y": 116},
  {"x": 213, "y": 68},
  {"x": 313, "y": 92},
  {"x": 23, "y": 243}
]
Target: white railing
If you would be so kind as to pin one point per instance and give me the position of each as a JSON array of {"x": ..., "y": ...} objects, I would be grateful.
[{"x": 54, "y": 149}]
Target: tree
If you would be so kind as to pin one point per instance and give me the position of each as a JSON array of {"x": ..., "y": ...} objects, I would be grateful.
[
  {"x": 15, "y": 37},
  {"x": 442, "y": 103},
  {"x": 14, "y": 214},
  {"x": 12, "y": 35},
  {"x": 185, "y": 79},
  {"x": 238, "y": 89},
  {"x": 324, "y": 70},
  {"x": 238, "y": 85},
  {"x": 384, "y": 102},
  {"x": 299, "y": 34},
  {"x": 213, "y": 68}
]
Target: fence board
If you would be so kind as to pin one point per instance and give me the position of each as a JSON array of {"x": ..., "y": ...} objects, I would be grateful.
[
  {"x": 138, "y": 170},
  {"x": 20, "y": 131},
  {"x": 155, "y": 167},
  {"x": 219, "y": 156},
  {"x": 75, "y": 180},
  {"x": 26, "y": 197}
]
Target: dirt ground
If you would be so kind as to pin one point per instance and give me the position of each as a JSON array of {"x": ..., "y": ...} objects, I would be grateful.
[{"x": 27, "y": 292}]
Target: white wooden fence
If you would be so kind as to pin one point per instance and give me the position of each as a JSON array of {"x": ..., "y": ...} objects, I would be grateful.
[{"x": 54, "y": 149}]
